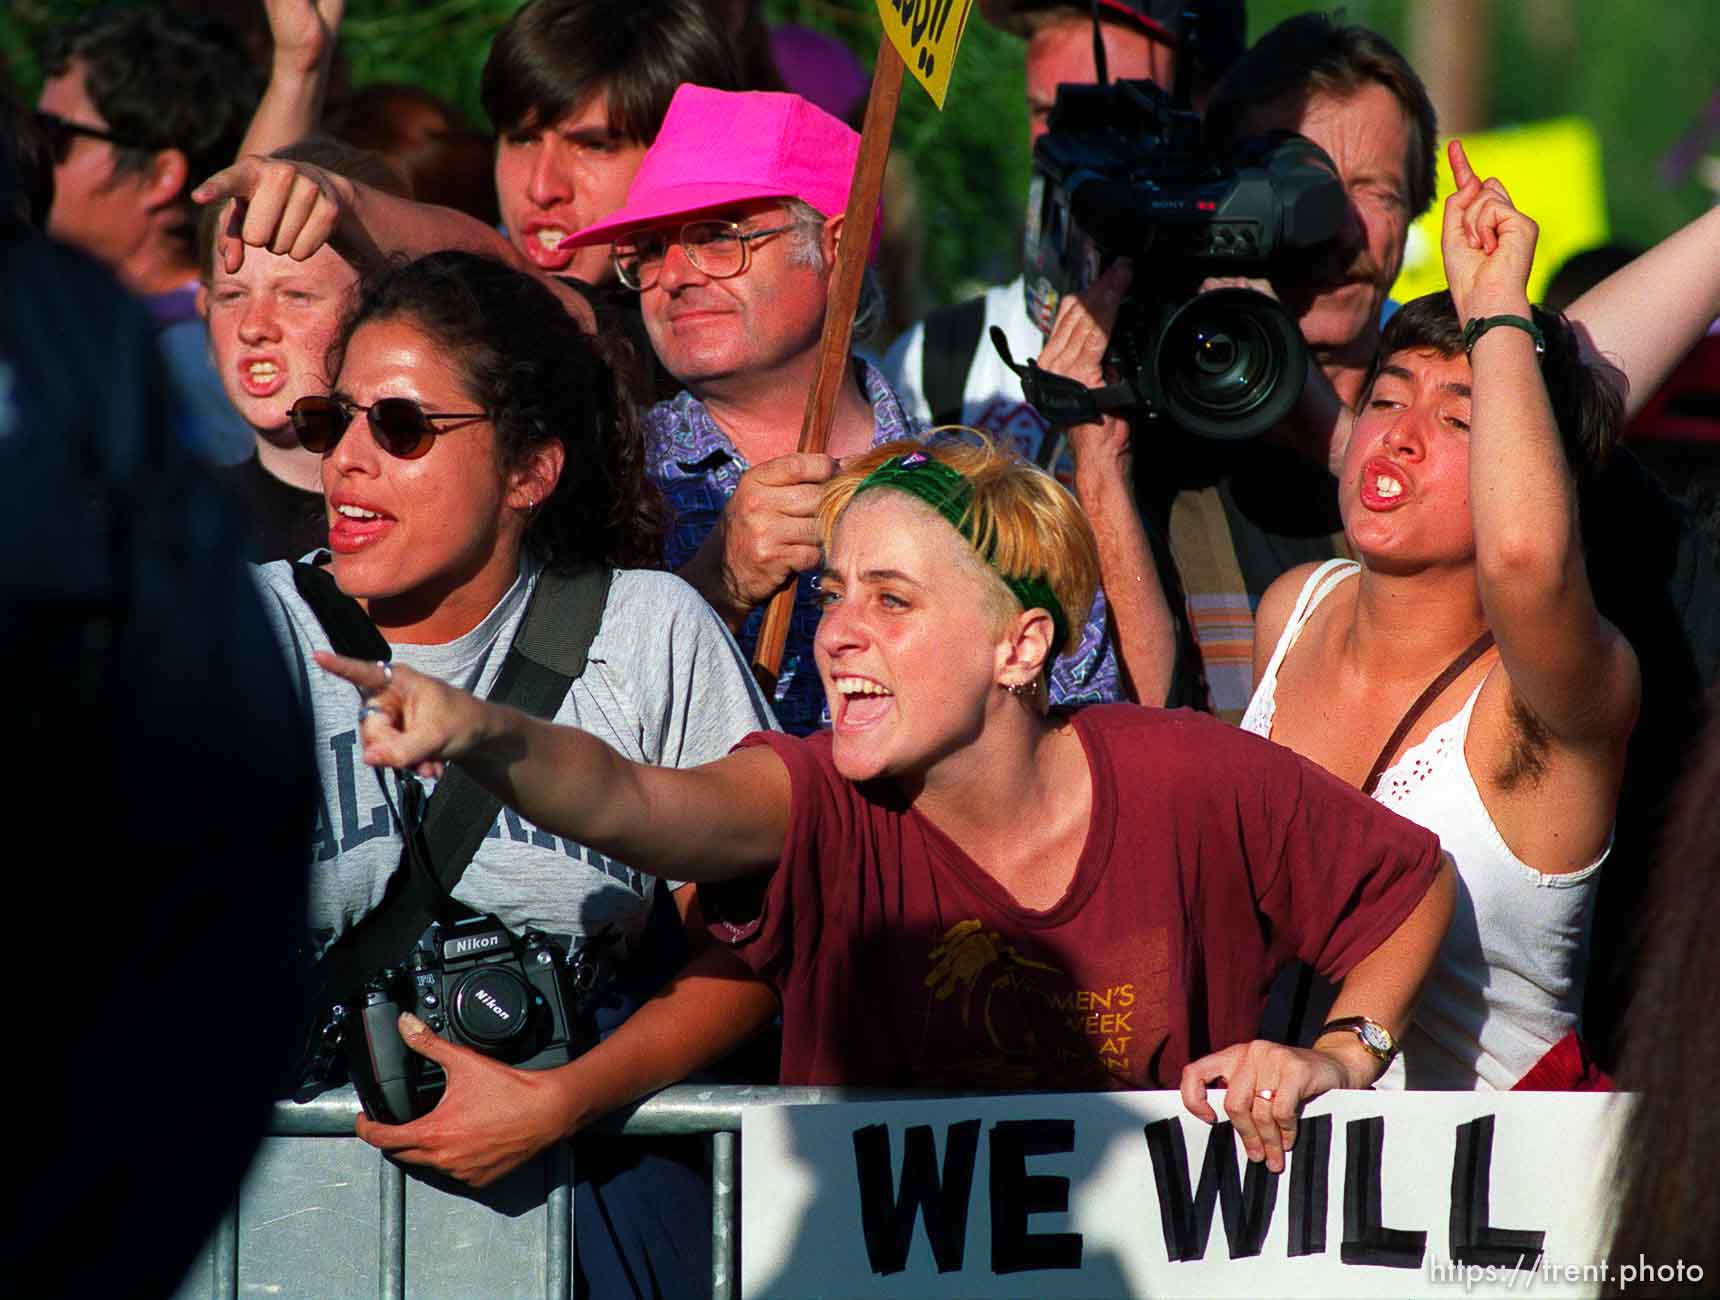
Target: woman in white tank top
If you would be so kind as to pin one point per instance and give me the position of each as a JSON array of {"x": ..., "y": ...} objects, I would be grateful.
[{"x": 1459, "y": 501}]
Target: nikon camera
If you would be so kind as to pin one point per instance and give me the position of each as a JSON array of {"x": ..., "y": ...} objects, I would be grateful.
[
  {"x": 1122, "y": 172},
  {"x": 476, "y": 983}
]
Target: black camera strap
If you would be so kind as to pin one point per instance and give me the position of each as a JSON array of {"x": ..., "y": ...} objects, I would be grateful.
[
  {"x": 548, "y": 654},
  {"x": 1062, "y": 401}
]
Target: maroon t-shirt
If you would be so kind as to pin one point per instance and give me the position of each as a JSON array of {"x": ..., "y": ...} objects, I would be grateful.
[{"x": 1213, "y": 858}]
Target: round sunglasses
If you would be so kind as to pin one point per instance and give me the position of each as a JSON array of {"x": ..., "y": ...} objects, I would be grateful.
[{"x": 401, "y": 427}]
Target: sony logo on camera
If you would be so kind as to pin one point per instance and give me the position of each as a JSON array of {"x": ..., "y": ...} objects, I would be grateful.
[{"x": 471, "y": 945}]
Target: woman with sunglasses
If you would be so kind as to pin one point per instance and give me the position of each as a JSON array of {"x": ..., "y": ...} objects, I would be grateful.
[
  {"x": 1458, "y": 670},
  {"x": 960, "y": 876},
  {"x": 476, "y": 438}
]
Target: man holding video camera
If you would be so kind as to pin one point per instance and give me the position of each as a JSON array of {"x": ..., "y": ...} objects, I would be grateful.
[
  {"x": 1237, "y": 512},
  {"x": 945, "y": 367}
]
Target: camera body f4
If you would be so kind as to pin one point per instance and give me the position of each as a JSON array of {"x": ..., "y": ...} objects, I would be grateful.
[{"x": 476, "y": 983}]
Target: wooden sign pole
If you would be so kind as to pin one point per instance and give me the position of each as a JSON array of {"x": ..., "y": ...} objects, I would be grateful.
[{"x": 844, "y": 298}]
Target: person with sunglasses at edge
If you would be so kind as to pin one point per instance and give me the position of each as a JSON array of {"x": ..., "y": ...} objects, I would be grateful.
[
  {"x": 477, "y": 437},
  {"x": 137, "y": 107}
]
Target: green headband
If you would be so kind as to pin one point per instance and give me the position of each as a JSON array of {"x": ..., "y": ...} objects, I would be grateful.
[{"x": 951, "y": 495}]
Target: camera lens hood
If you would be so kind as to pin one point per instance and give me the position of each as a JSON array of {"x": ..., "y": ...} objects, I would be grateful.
[{"x": 1229, "y": 364}]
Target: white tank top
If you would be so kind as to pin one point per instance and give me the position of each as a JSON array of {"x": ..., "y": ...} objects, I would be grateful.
[{"x": 1508, "y": 981}]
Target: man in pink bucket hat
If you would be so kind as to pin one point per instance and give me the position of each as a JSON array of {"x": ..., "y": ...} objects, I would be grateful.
[{"x": 729, "y": 234}]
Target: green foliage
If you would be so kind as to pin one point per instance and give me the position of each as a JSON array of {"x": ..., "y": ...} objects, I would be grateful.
[
  {"x": 970, "y": 162},
  {"x": 22, "y": 24},
  {"x": 1642, "y": 74},
  {"x": 437, "y": 44}
]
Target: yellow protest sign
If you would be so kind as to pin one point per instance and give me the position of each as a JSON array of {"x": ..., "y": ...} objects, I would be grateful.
[
  {"x": 1552, "y": 170},
  {"x": 926, "y": 34}
]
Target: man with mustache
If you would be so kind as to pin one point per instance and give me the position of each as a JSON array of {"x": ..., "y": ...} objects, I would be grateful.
[{"x": 1223, "y": 520}]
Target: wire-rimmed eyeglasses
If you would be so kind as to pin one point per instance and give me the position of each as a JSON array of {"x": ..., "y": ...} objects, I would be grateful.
[{"x": 719, "y": 249}]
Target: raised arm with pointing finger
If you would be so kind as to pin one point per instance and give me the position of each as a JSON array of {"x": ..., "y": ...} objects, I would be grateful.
[
  {"x": 295, "y": 208},
  {"x": 699, "y": 824},
  {"x": 1572, "y": 671}
]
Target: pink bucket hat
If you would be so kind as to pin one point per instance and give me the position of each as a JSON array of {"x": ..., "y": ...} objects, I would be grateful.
[{"x": 718, "y": 147}]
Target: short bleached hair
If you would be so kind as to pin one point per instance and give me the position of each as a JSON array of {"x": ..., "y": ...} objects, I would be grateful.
[{"x": 1020, "y": 520}]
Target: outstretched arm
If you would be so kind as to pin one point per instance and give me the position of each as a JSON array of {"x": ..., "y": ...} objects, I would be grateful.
[
  {"x": 1645, "y": 316},
  {"x": 1146, "y": 637},
  {"x": 1572, "y": 669},
  {"x": 295, "y": 208},
  {"x": 304, "y": 33},
  {"x": 701, "y": 823}
]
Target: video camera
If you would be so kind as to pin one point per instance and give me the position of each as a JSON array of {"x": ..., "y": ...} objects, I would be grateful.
[{"x": 1124, "y": 172}]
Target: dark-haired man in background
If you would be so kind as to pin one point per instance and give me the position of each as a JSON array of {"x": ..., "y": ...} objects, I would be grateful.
[
  {"x": 138, "y": 107},
  {"x": 576, "y": 90}
]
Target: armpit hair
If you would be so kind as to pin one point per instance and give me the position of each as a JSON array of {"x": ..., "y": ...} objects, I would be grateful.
[{"x": 1527, "y": 763}]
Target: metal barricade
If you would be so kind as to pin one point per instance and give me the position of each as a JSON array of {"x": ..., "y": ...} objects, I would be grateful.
[{"x": 323, "y": 1215}]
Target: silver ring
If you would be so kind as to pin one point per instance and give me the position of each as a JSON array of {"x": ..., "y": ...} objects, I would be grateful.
[
  {"x": 387, "y": 671},
  {"x": 1266, "y": 1094},
  {"x": 367, "y": 711}
]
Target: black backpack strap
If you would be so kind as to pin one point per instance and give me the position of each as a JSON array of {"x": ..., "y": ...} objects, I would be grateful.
[
  {"x": 947, "y": 346},
  {"x": 548, "y": 653},
  {"x": 349, "y": 628}
]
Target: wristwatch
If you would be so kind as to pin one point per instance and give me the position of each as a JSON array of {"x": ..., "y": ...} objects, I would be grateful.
[{"x": 1375, "y": 1036}]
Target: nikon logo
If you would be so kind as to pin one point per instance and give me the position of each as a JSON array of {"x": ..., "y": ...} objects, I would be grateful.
[
  {"x": 477, "y": 943},
  {"x": 495, "y": 1007}
]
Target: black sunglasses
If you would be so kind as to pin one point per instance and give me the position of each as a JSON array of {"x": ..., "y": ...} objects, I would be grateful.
[
  {"x": 59, "y": 132},
  {"x": 401, "y": 427}
]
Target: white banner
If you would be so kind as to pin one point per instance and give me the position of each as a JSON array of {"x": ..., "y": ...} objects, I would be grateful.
[{"x": 1126, "y": 1194}]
